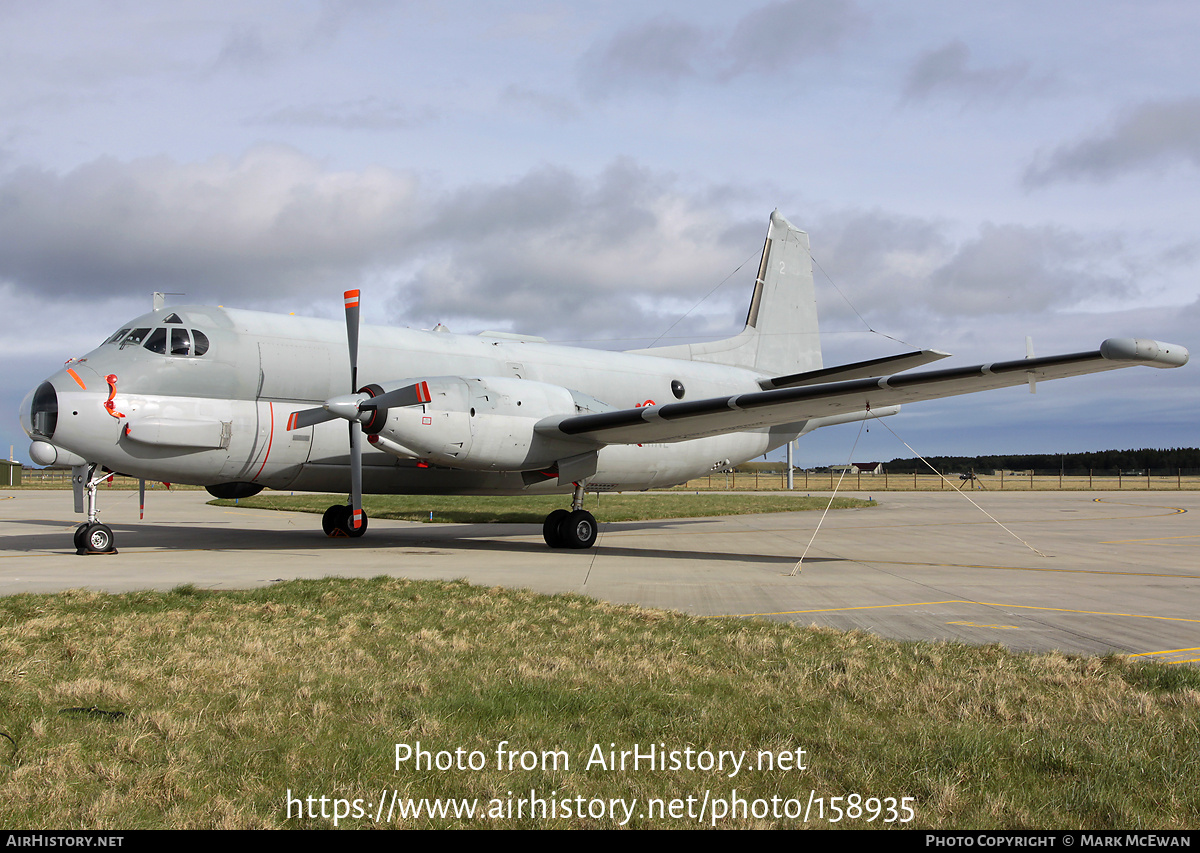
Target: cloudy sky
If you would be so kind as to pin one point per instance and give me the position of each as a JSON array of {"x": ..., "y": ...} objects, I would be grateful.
[{"x": 969, "y": 174}]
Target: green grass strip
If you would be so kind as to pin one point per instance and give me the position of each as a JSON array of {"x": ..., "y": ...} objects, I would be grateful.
[{"x": 534, "y": 509}]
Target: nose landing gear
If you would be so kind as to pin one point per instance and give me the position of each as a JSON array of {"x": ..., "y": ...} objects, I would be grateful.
[{"x": 91, "y": 537}]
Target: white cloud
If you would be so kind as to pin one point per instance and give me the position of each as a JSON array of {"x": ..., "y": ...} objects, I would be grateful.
[{"x": 269, "y": 222}]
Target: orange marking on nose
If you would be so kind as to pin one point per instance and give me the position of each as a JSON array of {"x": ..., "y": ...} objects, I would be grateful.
[{"x": 75, "y": 376}]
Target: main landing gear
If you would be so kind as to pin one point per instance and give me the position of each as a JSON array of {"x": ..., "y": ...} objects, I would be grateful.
[
  {"x": 575, "y": 528},
  {"x": 336, "y": 522},
  {"x": 91, "y": 537}
]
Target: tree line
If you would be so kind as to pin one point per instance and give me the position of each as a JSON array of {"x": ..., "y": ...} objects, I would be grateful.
[{"x": 1145, "y": 459}]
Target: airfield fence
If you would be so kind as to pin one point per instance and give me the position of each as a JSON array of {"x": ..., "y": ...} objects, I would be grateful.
[
  {"x": 1179, "y": 479},
  {"x": 57, "y": 478}
]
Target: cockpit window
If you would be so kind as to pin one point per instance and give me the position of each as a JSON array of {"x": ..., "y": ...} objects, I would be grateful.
[
  {"x": 134, "y": 338},
  {"x": 181, "y": 344},
  {"x": 157, "y": 342},
  {"x": 172, "y": 318},
  {"x": 173, "y": 341}
]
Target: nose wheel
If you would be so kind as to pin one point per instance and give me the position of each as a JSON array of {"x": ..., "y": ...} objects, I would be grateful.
[{"x": 94, "y": 538}]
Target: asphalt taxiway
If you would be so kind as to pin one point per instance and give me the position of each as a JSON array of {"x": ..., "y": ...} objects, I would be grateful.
[{"x": 1112, "y": 571}]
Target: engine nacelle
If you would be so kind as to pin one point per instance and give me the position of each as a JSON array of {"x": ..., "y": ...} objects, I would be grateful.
[{"x": 479, "y": 423}]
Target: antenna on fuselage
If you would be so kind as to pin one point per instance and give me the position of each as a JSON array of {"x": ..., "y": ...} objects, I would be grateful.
[{"x": 160, "y": 298}]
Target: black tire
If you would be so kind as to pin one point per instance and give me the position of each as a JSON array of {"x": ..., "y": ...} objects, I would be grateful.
[
  {"x": 336, "y": 522},
  {"x": 550, "y": 528},
  {"x": 99, "y": 539},
  {"x": 334, "y": 519},
  {"x": 81, "y": 537},
  {"x": 578, "y": 530}
]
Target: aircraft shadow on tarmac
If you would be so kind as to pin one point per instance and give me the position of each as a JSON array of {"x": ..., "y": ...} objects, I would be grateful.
[{"x": 220, "y": 536}]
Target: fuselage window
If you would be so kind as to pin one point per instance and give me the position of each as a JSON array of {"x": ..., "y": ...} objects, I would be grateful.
[
  {"x": 134, "y": 338},
  {"x": 157, "y": 342}
]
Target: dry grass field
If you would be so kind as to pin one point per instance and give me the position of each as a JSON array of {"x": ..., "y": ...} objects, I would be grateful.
[{"x": 284, "y": 706}]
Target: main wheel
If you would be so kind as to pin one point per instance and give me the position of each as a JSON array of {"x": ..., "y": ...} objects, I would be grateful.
[
  {"x": 99, "y": 539},
  {"x": 336, "y": 522},
  {"x": 550, "y": 528},
  {"x": 81, "y": 537},
  {"x": 578, "y": 530}
]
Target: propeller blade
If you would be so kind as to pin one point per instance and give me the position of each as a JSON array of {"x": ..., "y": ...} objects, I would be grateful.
[
  {"x": 352, "y": 335},
  {"x": 409, "y": 395},
  {"x": 355, "y": 475},
  {"x": 356, "y": 516},
  {"x": 308, "y": 417}
]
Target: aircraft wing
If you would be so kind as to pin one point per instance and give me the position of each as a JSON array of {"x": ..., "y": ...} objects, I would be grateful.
[{"x": 739, "y": 412}]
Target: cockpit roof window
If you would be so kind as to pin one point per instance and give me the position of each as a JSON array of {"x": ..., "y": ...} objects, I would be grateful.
[{"x": 172, "y": 318}]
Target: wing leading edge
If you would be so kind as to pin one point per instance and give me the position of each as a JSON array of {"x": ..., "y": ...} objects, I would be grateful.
[{"x": 738, "y": 412}]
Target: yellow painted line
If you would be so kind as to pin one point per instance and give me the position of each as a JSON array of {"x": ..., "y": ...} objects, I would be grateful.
[
  {"x": 1175, "y": 510},
  {"x": 958, "y": 601},
  {"x": 979, "y": 625},
  {"x": 836, "y": 609},
  {"x": 869, "y": 562},
  {"x": 1165, "y": 652},
  {"x": 1155, "y": 539}
]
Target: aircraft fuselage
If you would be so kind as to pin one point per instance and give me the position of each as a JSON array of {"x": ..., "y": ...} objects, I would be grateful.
[{"x": 173, "y": 413}]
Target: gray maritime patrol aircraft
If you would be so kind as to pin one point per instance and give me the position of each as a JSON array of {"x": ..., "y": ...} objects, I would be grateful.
[{"x": 238, "y": 401}]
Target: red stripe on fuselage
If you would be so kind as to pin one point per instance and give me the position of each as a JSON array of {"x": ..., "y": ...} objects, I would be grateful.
[{"x": 270, "y": 438}]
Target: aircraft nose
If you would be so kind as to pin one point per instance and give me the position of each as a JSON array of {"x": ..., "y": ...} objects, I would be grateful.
[{"x": 39, "y": 410}]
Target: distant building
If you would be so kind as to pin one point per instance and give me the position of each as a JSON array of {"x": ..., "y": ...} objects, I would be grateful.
[
  {"x": 10, "y": 473},
  {"x": 866, "y": 468}
]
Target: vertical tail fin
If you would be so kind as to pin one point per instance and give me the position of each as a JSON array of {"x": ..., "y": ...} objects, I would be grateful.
[{"x": 781, "y": 333}]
